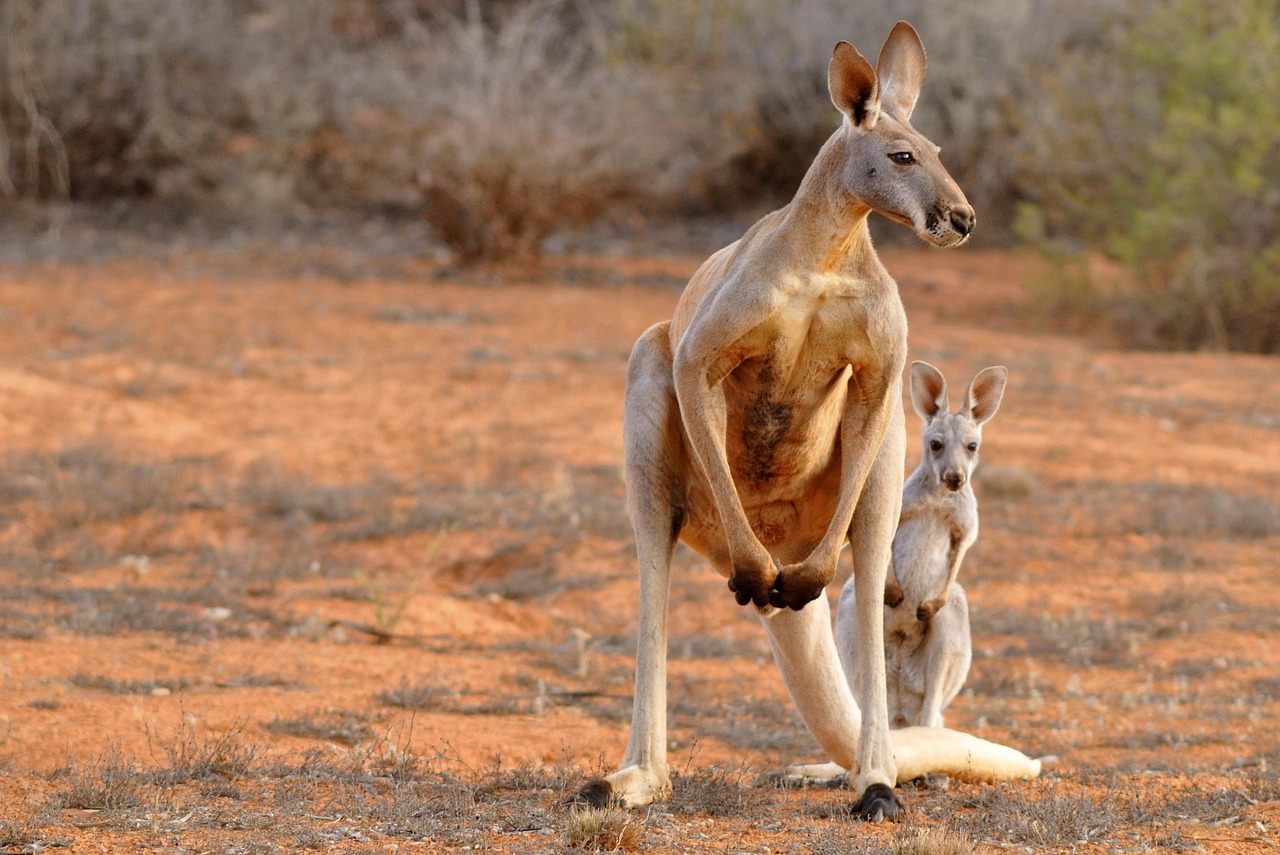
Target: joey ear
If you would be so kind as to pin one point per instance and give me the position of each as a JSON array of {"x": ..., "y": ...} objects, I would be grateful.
[
  {"x": 900, "y": 69},
  {"x": 928, "y": 391},
  {"x": 853, "y": 85},
  {"x": 983, "y": 398}
]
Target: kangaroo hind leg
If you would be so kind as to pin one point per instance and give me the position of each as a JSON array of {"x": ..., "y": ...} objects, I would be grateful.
[
  {"x": 871, "y": 541},
  {"x": 654, "y": 451}
]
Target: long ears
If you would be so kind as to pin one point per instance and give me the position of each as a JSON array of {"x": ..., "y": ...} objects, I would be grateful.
[
  {"x": 853, "y": 85},
  {"x": 928, "y": 391},
  {"x": 983, "y": 398},
  {"x": 900, "y": 70}
]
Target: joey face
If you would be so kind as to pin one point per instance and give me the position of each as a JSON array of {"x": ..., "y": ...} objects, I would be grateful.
[
  {"x": 951, "y": 444},
  {"x": 951, "y": 440}
]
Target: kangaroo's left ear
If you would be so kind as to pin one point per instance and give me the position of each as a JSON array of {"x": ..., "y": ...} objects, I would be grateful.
[
  {"x": 983, "y": 398},
  {"x": 901, "y": 68},
  {"x": 853, "y": 86}
]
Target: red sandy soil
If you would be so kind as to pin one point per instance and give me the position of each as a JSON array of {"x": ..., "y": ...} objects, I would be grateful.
[{"x": 1125, "y": 601}]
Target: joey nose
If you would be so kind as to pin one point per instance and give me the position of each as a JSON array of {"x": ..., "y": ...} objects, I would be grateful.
[
  {"x": 963, "y": 219},
  {"x": 953, "y": 480}
]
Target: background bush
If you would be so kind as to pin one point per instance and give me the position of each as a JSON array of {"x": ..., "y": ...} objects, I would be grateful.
[
  {"x": 1157, "y": 141},
  {"x": 499, "y": 121},
  {"x": 1144, "y": 129}
]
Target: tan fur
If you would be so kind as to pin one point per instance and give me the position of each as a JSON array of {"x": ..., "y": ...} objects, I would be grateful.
[{"x": 762, "y": 423}]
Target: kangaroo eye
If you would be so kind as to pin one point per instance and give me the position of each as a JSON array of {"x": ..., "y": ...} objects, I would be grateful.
[
  {"x": 935, "y": 445},
  {"x": 973, "y": 446},
  {"x": 902, "y": 157}
]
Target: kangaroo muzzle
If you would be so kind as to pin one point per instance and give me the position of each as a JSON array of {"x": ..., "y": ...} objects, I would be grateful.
[{"x": 963, "y": 219}]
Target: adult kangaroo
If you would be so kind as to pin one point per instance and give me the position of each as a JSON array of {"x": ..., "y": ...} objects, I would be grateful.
[{"x": 763, "y": 425}]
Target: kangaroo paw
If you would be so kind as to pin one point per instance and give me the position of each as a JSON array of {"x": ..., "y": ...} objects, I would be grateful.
[
  {"x": 596, "y": 793},
  {"x": 877, "y": 804}
]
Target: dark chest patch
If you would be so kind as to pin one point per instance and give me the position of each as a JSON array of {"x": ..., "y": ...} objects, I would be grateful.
[{"x": 765, "y": 427}]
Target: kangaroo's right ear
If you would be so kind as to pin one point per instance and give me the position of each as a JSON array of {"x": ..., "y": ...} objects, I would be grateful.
[
  {"x": 900, "y": 70},
  {"x": 928, "y": 391},
  {"x": 853, "y": 85}
]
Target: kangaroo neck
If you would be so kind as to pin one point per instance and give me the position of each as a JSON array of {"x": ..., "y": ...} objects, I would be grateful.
[{"x": 826, "y": 223}]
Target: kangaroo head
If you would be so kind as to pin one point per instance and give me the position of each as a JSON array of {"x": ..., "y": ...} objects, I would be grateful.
[
  {"x": 951, "y": 440},
  {"x": 890, "y": 166}
]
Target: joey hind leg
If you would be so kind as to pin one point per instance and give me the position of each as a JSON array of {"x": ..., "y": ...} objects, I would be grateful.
[
  {"x": 653, "y": 451},
  {"x": 949, "y": 656}
]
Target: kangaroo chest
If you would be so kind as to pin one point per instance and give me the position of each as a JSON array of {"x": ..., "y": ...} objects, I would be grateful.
[{"x": 785, "y": 400}]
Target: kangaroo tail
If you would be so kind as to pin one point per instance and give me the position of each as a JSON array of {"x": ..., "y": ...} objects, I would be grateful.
[{"x": 919, "y": 751}]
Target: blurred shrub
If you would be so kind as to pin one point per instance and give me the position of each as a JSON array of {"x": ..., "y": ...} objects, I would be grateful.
[
  {"x": 756, "y": 73},
  {"x": 199, "y": 103},
  {"x": 505, "y": 121},
  {"x": 1157, "y": 141},
  {"x": 502, "y": 122},
  {"x": 535, "y": 131}
]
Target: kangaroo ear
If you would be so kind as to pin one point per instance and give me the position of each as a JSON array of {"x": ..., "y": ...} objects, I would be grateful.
[
  {"x": 983, "y": 398},
  {"x": 928, "y": 391},
  {"x": 900, "y": 70},
  {"x": 853, "y": 86}
]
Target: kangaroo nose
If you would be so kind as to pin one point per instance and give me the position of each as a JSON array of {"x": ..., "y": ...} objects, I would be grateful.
[
  {"x": 963, "y": 219},
  {"x": 953, "y": 480}
]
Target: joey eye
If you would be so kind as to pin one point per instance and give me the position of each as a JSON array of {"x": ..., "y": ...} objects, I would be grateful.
[
  {"x": 973, "y": 446},
  {"x": 935, "y": 445},
  {"x": 903, "y": 158}
]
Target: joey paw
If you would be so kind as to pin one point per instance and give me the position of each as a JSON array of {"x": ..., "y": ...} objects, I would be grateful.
[
  {"x": 893, "y": 595},
  {"x": 927, "y": 610}
]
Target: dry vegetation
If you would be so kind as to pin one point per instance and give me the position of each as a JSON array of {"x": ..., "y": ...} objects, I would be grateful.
[{"x": 513, "y": 126}]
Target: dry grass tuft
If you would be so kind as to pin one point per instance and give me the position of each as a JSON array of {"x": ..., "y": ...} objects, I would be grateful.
[
  {"x": 1047, "y": 814},
  {"x": 110, "y": 784},
  {"x": 923, "y": 840},
  {"x": 607, "y": 829},
  {"x": 193, "y": 756}
]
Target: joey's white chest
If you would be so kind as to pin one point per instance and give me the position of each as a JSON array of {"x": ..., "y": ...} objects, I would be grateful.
[{"x": 933, "y": 523}]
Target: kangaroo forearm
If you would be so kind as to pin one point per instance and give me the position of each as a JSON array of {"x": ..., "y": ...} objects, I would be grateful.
[
  {"x": 860, "y": 440},
  {"x": 702, "y": 408}
]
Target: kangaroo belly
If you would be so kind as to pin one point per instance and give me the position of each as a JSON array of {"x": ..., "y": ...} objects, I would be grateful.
[
  {"x": 781, "y": 437},
  {"x": 788, "y": 527}
]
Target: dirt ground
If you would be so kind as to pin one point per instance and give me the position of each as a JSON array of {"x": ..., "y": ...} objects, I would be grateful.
[{"x": 315, "y": 560}]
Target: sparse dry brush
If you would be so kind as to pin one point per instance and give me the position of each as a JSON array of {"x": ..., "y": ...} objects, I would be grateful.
[
  {"x": 501, "y": 123},
  {"x": 1194, "y": 218}
]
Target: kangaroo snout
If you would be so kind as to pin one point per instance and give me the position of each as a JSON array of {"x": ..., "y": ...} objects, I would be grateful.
[
  {"x": 963, "y": 219},
  {"x": 953, "y": 479}
]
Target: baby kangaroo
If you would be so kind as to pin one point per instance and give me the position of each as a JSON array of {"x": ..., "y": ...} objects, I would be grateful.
[{"x": 926, "y": 615}]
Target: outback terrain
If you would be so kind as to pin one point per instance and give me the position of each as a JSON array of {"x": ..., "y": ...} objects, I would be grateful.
[{"x": 315, "y": 556}]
